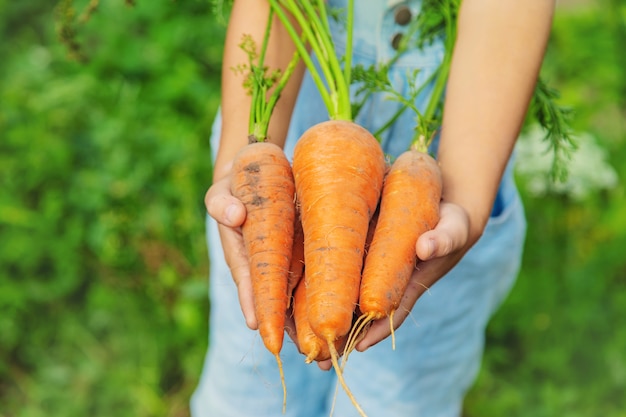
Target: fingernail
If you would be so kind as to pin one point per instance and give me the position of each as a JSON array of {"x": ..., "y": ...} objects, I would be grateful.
[
  {"x": 431, "y": 248},
  {"x": 362, "y": 346},
  {"x": 229, "y": 212}
]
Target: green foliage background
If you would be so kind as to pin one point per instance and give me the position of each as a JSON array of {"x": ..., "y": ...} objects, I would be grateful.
[
  {"x": 103, "y": 267},
  {"x": 558, "y": 345},
  {"x": 103, "y": 166}
]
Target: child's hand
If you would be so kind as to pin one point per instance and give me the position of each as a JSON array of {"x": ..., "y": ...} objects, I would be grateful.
[
  {"x": 230, "y": 213},
  {"x": 439, "y": 251}
]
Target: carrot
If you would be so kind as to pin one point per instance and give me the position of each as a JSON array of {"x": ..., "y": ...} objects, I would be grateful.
[
  {"x": 338, "y": 170},
  {"x": 356, "y": 332},
  {"x": 263, "y": 181},
  {"x": 409, "y": 207},
  {"x": 313, "y": 347},
  {"x": 296, "y": 271},
  {"x": 309, "y": 344}
]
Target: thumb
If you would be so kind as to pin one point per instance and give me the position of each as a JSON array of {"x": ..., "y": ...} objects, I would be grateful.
[
  {"x": 450, "y": 234},
  {"x": 223, "y": 206}
]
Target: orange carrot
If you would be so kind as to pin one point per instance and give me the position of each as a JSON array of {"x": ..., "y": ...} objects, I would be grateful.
[
  {"x": 338, "y": 170},
  {"x": 263, "y": 181},
  {"x": 409, "y": 207},
  {"x": 296, "y": 270},
  {"x": 309, "y": 344},
  {"x": 357, "y": 332},
  {"x": 372, "y": 228}
]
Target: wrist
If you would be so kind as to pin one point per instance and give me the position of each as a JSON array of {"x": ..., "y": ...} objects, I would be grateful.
[{"x": 474, "y": 198}]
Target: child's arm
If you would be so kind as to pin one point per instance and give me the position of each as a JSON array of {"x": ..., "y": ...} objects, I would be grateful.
[
  {"x": 497, "y": 59},
  {"x": 499, "y": 50},
  {"x": 249, "y": 18}
]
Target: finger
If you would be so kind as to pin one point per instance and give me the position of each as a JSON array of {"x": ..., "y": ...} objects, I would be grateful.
[
  {"x": 246, "y": 301},
  {"x": 223, "y": 206},
  {"x": 325, "y": 365},
  {"x": 378, "y": 331},
  {"x": 450, "y": 234},
  {"x": 237, "y": 261}
]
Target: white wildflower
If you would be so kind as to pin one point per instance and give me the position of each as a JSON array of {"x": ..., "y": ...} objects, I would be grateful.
[{"x": 588, "y": 169}]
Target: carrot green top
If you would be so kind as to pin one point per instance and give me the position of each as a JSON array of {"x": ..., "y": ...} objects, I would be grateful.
[
  {"x": 438, "y": 18},
  {"x": 312, "y": 17},
  {"x": 259, "y": 82}
]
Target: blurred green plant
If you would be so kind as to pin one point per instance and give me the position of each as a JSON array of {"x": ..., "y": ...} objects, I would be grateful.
[
  {"x": 587, "y": 167},
  {"x": 556, "y": 347},
  {"x": 103, "y": 164}
]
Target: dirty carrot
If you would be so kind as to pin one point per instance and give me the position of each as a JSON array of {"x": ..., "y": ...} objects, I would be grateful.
[
  {"x": 263, "y": 181},
  {"x": 310, "y": 345},
  {"x": 409, "y": 207},
  {"x": 338, "y": 170},
  {"x": 296, "y": 271},
  {"x": 337, "y": 197}
]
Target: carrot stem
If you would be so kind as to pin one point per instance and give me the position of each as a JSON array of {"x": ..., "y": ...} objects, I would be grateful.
[
  {"x": 425, "y": 119},
  {"x": 335, "y": 92},
  {"x": 259, "y": 89},
  {"x": 340, "y": 91},
  {"x": 438, "y": 89},
  {"x": 313, "y": 26},
  {"x": 303, "y": 52},
  {"x": 271, "y": 103},
  {"x": 348, "y": 54},
  {"x": 263, "y": 106},
  {"x": 404, "y": 105}
]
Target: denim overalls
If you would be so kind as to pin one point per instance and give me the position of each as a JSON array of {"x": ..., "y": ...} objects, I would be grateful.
[{"x": 439, "y": 346}]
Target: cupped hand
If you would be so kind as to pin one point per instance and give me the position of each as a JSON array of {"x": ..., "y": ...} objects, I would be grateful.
[
  {"x": 438, "y": 250},
  {"x": 230, "y": 213}
]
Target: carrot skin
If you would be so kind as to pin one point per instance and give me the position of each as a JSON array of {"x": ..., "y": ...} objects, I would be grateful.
[
  {"x": 409, "y": 207},
  {"x": 338, "y": 170},
  {"x": 263, "y": 181},
  {"x": 296, "y": 271},
  {"x": 309, "y": 344}
]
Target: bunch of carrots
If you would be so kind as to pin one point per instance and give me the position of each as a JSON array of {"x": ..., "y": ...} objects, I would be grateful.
[
  {"x": 332, "y": 236},
  {"x": 335, "y": 273}
]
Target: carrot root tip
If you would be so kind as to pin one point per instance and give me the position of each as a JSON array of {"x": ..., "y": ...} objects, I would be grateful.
[
  {"x": 339, "y": 371},
  {"x": 392, "y": 330},
  {"x": 356, "y": 334},
  {"x": 282, "y": 381}
]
